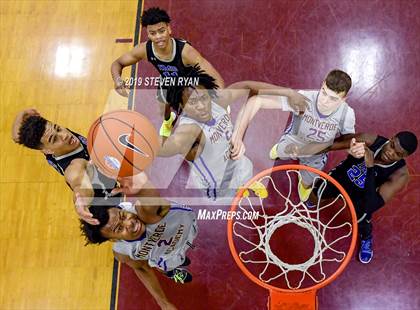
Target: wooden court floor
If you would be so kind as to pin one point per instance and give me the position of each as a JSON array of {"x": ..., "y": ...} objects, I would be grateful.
[{"x": 55, "y": 56}]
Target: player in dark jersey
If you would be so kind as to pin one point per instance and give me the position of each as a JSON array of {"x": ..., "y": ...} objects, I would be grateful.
[
  {"x": 372, "y": 174},
  {"x": 168, "y": 55},
  {"x": 66, "y": 151}
]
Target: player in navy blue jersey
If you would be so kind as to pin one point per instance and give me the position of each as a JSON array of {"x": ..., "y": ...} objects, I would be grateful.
[
  {"x": 373, "y": 173},
  {"x": 170, "y": 57},
  {"x": 66, "y": 151}
]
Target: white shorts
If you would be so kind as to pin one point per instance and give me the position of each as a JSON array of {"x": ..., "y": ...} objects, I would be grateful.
[{"x": 318, "y": 161}]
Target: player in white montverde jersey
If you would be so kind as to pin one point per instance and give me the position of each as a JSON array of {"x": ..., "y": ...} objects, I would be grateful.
[
  {"x": 326, "y": 115},
  {"x": 204, "y": 134},
  {"x": 147, "y": 236}
]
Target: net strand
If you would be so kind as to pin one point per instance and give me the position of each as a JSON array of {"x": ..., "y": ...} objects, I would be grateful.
[{"x": 300, "y": 215}]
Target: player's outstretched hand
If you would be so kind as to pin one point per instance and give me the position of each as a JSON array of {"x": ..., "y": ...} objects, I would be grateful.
[
  {"x": 369, "y": 157},
  {"x": 237, "y": 148},
  {"x": 357, "y": 149},
  {"x": 82, "y": 209},
  {"x": 121, "y": 87},
  {"x": 131, "y": 185},
  {"x": 298, "y": 102}
]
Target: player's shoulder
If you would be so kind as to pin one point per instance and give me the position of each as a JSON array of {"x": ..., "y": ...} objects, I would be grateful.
[
  {"x": 126, "y": 259},
  {"x": 189, "y": 54},
  {"x": 348, "y": 111},
  {"x": 182, "y": 41},
  {"x": 76, "y": 166},
  {"x": 139, "y": 51},
  {"x": 188, "y": 127},
  {"x": 311, "y": 94}
]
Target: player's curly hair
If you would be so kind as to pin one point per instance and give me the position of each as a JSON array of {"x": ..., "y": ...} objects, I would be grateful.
[
  {"x": 31, "y": 132},
  {"x": 154, "y": 16},
  {"x": 174, "y": 93},
  {"x": 92, "y": 233},
  {"x": 338, "y": 81}
]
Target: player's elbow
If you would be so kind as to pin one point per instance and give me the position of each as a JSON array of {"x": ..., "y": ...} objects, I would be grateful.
[{"x": 116, "y": 65}]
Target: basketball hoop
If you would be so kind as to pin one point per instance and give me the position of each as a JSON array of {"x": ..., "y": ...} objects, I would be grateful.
[{"x": 327, "y": 232}]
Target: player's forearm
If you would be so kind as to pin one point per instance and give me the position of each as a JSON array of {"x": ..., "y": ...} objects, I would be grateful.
[
  {"x": 214, "y": 73},
  {"x": 116, "y": 71},
  {"x": 245, "y": 116},
  {"x": 210, "y": 70},
  {"x": 340, "y": 143},
  {"x": 261, "y": 88},
  {"x": 168, "y": 147},
  {"x": 77, "y": 176},
  {"x": 147, "y": 276}
]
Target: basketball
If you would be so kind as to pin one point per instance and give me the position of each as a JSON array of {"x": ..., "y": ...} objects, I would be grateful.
[{"x": 122, "y": 143}]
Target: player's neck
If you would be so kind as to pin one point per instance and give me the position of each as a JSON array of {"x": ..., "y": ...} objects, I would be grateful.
[{"x": 64, "y": 152}]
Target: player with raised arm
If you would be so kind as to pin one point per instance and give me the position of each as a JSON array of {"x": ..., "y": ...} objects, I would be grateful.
[
  {"x": 373, "y": 173},
  {"x": 66, "y": 151},
  {"x": 204, "y": 133},
  {"x": 170, "y": 56},
  {"x": 326, "y": 115}
]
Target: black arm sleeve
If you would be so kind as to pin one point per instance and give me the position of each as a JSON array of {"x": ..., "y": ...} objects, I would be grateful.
[{"x": 372, "y": 199}]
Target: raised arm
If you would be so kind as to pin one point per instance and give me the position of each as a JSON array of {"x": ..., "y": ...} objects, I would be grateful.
[
  {"x": 355, "y": 143},
  {"x": 181, "y": 141},
  {"x": 77, "y": 177},
  {"x": 135, "y": 55},
  {"x": 191, "y": 57},
  {"x": 295, "y": 100},
  {"x": 247, "y": 113},
  {"x": 147, "y": 276}
]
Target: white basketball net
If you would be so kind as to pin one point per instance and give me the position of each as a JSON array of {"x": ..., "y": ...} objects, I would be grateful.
[{"x": 304, "y": 217}]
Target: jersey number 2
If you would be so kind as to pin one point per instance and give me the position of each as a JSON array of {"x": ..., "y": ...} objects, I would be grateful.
[{"x": 164, "y": 242}]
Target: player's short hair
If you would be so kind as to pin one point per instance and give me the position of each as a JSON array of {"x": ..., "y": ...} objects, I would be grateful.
[
  {"x": 338, "y": 81},
  {"x": 31, "y": 132},
  {"x": 154, "y": 16},
  {"x": 92, "y": 233},
  {"x": 408, "y": 141},
  {"x": 174, "y": 93}
]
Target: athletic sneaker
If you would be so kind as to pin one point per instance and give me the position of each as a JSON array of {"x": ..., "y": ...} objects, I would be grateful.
[
  {"x": 309, "y": 204},
  {"x": 273, "y": 152},
  {"x": 186, "y": 262},
  {"x": 166, "y": 128},
  {"x": 303, "y": 192},
  {"x": 258, "y": 188},
  {"x": 179, "y": 275},
  {"x": 366, "y": 251}
]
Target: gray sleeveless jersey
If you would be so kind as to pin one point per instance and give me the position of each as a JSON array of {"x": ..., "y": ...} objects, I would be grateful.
[
  {"x": 313, "y": 127},
  {"x": 213, "y": 170},
  {"x": 165, "y": 243}
]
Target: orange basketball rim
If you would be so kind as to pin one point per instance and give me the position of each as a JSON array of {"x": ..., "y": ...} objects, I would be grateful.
[{"x": 301, "y": 298}]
